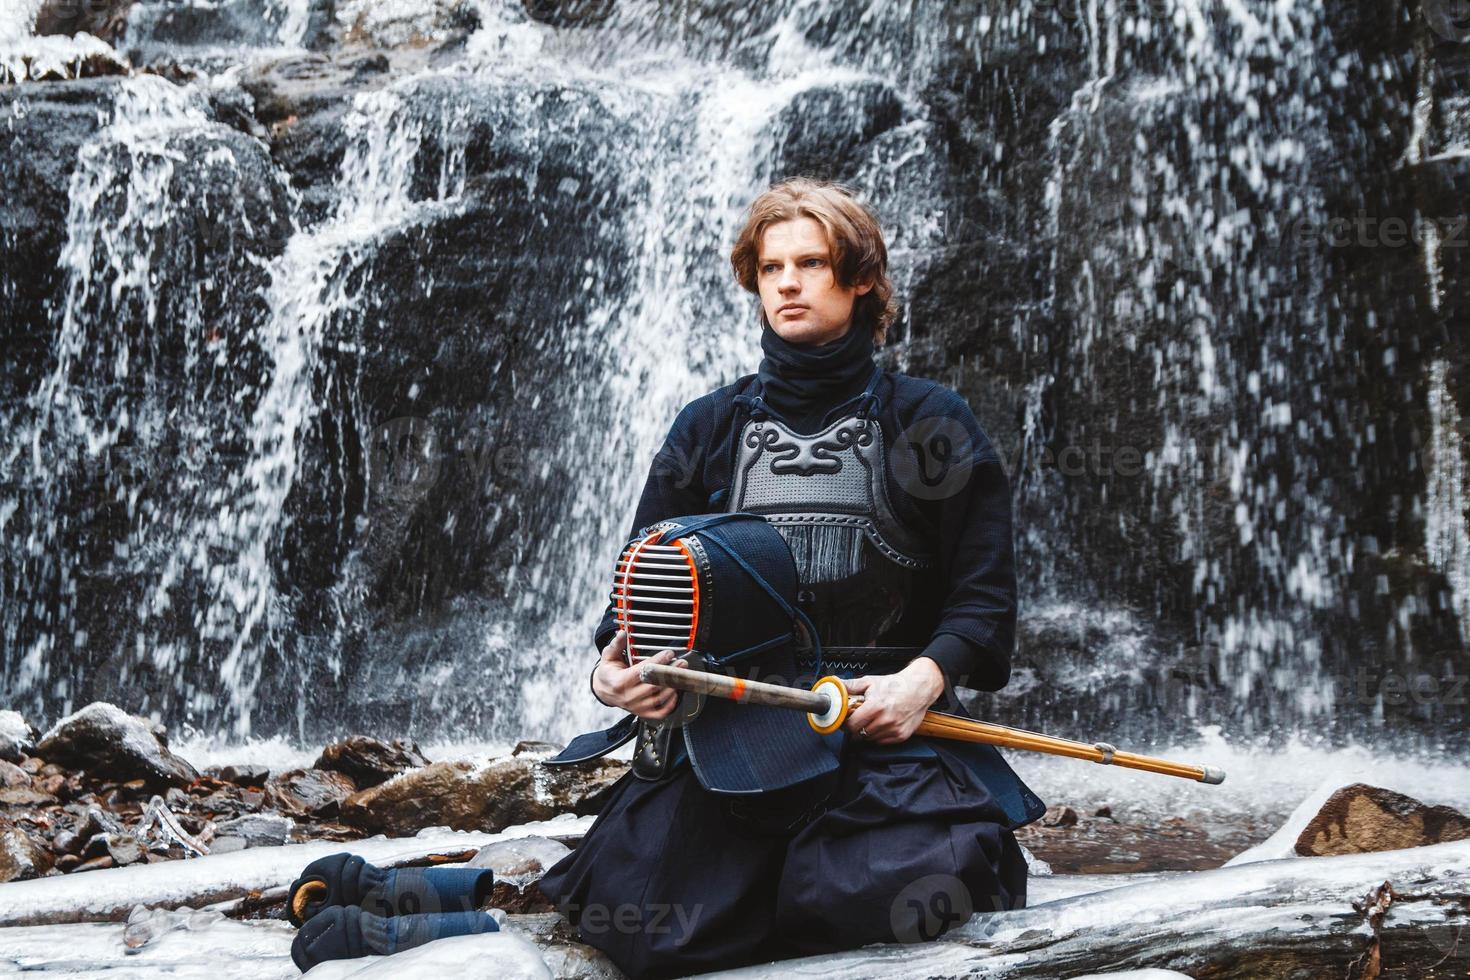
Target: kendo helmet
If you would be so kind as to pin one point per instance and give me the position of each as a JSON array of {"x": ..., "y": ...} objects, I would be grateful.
[{"x": 720, "y": 591}]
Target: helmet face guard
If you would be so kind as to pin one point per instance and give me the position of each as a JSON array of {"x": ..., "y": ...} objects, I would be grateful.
[
  {"x": 720, "y": 586},
  {"x": 719, "y": 589}
]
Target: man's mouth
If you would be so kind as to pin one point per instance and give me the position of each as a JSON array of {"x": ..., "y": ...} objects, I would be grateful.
[{"x": 792, "y": 308}]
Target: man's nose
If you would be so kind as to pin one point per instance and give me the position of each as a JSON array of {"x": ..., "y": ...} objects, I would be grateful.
[{"x": 788, "y": 280}]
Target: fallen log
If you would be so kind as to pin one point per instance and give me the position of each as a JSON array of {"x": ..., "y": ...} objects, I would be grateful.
[
  {"x": 1388, "y": 914},
  {"x": 108, "y": 896}
]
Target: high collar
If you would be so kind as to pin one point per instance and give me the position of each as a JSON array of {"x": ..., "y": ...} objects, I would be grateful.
[{"x": 803, "y": 383}]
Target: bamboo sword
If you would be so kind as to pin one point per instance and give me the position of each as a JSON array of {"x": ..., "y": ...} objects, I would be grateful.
[{"x": 827, "y": 705}]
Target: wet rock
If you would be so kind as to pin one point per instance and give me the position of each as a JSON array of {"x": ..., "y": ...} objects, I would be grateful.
[
  {"x": 25, "y": 796},
  {"x": 12, "y": 775},
  {"x": 33, "y": 766},
  {"x": 123, "y": 849},
  {"x": 390, "y": 25},
  {"x": 103, "y": 737},
  {"x": 309, "y": 792},
  {"x": 55, "y": 59},
  {"x": 827, "y": 128},
  {"x": 574, "y": 961},
  {"x": 105, "y": 19},
  {"x": 518, "y": 864},
  {"x": 255, "y": 830},
  {"x": 489, "y": 798},
  {"x": 1059, "y": 816},
  {"x": 246, "y": 775},
  {"x": 95, "y": 864},
  {"x": 1105, "y": 845},
  {"x": 17, "y": 737},
  {"x": 21, "y": 857},
  {"x": 535, "y": 749},
  {"x": 1361, "y": 818},
  {"x": 67, "y": 842},
  {"x": 51, "y": 785},
  {"x": 570, "y": 13},
  {"x": 369, "y": 761},
  {"x": 97, "y": 821},
  {"x": 161, "y": 29}
]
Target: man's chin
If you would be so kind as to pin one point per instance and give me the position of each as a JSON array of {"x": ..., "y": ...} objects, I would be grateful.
[{"x": 805, "y": 333}]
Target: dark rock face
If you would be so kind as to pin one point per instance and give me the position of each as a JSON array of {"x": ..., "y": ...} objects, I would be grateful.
[
  {"x": 161, "y": 29},
  {"x": 401, "y": 294},
  {"x": 106, "y": 19},
  {"x": 106, "y": 739},
  {"x": 368, "y": 761}
]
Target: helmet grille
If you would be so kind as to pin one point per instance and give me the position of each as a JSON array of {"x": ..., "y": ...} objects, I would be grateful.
[{"x": 655, "y": 597}]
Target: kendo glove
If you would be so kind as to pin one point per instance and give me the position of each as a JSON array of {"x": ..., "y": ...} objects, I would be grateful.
[
  {"x": 346, "y": 880},
  {"x": 341, "y": 932}
]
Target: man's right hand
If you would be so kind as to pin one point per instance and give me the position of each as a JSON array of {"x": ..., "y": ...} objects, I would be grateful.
[{"x": 618, "y": 684}]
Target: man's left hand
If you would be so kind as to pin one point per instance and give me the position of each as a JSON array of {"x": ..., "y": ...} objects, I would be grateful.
[{"x": 894, "y": 704}]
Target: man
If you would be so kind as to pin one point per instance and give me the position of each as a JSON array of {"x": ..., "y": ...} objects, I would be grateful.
[{"x": 906, "y": 570}]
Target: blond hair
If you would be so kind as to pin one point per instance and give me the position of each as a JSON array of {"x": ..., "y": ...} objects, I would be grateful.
[{"x": 853, "y": 237}]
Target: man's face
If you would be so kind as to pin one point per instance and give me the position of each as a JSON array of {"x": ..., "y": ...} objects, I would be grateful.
[{"x": 798, "y": 286}]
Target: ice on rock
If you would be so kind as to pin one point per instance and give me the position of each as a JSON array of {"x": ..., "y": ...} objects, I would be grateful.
[
  {"x": 111, "y": 894},
  {"x": 485, "y": 956},
  {"x": 16, "y": 735},
  {"x": 146, "y": 925},
  {"x": 1410, "y": 782}
]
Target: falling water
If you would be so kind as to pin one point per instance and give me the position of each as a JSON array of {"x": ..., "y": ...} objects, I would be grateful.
[{"x": 357, "y": 445}]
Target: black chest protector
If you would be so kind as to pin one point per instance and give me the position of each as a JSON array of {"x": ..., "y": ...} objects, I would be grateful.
[{"x": 827, "y": 494}]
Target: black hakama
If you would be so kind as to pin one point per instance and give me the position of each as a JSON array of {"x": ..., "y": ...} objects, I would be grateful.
[{"x": 673, "y": 880}]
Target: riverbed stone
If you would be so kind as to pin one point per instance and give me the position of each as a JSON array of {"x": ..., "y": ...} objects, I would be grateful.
[
  {"x": 21, "y": 856},
  {"x": 1362, "y": 818},
  {"x": 489, "y": 797},
  {"x": 12, "y": 775},
  {"x": 103, "y": 737},
  {"x": 17, "y": 737},
  {"x": 371, "y": 761},
  {"x": 309, "y": 792},
  {"x": 255, "y": 829},
  {"x": 245, "y": 775}
]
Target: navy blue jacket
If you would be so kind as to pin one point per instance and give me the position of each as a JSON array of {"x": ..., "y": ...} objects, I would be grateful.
[{"x": 962, "y": 611}]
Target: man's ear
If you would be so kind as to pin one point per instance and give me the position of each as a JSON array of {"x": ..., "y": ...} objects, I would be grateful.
[{"x": 862, "y": 288}]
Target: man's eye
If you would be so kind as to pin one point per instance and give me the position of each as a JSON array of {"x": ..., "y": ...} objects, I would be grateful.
[
  {"x": 768, "y": 267},
  {"x": 813, "y": 263}
]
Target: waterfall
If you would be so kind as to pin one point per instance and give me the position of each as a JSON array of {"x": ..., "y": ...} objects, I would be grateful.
[
  {"x": 348, "y": 353},
  {"x": 1446, "y": 499},
  {"x": 117, "y": 404}
]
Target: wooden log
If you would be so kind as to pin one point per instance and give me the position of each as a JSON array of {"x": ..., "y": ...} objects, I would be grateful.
[
  {"x": 232, "y": 883},
  {"x": 1361, "y": 916}
]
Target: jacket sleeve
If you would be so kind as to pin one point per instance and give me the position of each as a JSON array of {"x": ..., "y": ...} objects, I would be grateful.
[
  {"x": 975, "y": 635},
  {"x": 673, "y": 488}
]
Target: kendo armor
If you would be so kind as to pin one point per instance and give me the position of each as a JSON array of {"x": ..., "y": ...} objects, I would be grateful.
[
  {"x": 827, "y": 494},
  {"x": 852, "y": 561}
]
